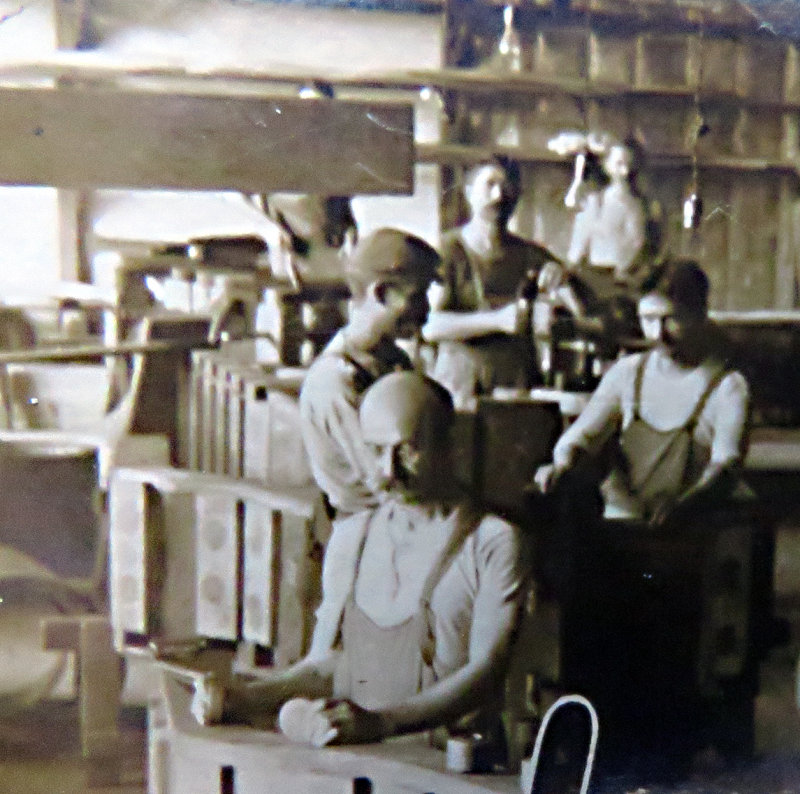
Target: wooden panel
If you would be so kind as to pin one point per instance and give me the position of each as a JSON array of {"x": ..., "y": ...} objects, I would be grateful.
[
  {"x": 762, "y": 69},
  {"x": 662, "y": 125},
  {"x": 611, "y": 58},
  {"x": 274, "y": 453},
  {"x": 787, "y": 254},
  {"x": 99, "y": 137},
  {"x": 721, "y": 122},
  {"x": 172, "y": 567},
  {"x": 753, "y": 242},
  {"x": 298, "y": 590},
  {"x": 218, "y": 539},
  {"x": 561, "y": 53},
  {"x": 197, "y": 407},
  {"x": 718, "y": 61},
  {"x": 715, "y": 229},
  {"x": 127, "y": 558},
  {"x": 791, "y": 81},
  {"x": 759, "y": 134},
  {"x": 262, "y": 546},
  {"x": 663, "y": 60}
]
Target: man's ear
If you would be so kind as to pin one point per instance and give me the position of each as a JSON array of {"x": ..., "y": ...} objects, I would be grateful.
[{"x": 378, "y": 290}]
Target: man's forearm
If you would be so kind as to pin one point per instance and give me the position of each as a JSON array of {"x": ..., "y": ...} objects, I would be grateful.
[
  {"x": 445, "y": 326},
  {"x": 715, "y": 478},
  {"x": 265, "y": 694},
  {"x": 472, "y": 686}
]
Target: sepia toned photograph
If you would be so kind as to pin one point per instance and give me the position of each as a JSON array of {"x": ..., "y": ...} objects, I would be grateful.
[{"x": 400, "y": 396}]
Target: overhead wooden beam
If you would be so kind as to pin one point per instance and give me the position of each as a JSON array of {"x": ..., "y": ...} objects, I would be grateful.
[{"x": 89, "y": 137}]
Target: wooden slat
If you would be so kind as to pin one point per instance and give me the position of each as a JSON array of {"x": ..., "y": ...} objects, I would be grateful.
[
  {"x": 786, "y": 255},
  {"x": 262, "y": 557},
  {"x": 217, "y": 543},
  {"x": 102, "y": 137}
]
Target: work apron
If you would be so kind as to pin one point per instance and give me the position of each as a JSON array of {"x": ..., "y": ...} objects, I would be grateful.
[
  {"x": 382, "y": 665},
  {"x": 652, "y": 465}
]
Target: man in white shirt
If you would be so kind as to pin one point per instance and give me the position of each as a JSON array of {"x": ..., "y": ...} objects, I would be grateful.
[
  {"x": 423, "y": 589},
  {"x": 674, "y": 419},
  {"x": 679, "y": 414},
  {"x": 388, "y": 274}
]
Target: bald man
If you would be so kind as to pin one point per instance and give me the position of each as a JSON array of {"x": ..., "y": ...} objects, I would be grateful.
[{"x": 423, "y": 589}]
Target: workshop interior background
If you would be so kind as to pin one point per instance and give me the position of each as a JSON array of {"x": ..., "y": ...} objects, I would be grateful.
[{"x": 709, "y": 88}]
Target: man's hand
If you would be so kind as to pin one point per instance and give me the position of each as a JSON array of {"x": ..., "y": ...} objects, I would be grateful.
[
  {"x": 208, "y": 699},
  {"x": 666, "y": 510},
  {"x": 353, "y": 724},
  {"x": 509, "y": 318},
  {"x": 547, "y": 476}
]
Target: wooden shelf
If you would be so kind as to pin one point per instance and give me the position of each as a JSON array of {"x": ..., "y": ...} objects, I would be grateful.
[
  {"x": 633, "y": 15},
  {"x": 479, "y": 80},
  {"x": 460, "y": 154}
]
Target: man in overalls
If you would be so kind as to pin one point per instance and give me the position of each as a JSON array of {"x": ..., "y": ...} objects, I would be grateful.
[
  {"x": 424, "y": 590},
  {"x": 679, "y": 414},
  {"x": 388, "y": 275},
  {"x": 630, "y": 566}
]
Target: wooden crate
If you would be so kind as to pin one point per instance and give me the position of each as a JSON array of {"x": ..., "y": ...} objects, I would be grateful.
[{"x": 201, "y": 556}]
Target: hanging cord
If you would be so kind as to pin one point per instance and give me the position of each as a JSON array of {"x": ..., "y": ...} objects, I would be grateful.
[{"x": 693, "y": 205}]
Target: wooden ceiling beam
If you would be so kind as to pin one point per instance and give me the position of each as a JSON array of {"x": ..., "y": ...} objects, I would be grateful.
[{"x": 92, "y": 137}]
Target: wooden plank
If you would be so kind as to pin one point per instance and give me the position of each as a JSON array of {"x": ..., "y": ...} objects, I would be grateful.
[
  {"x": 262, "y": 555},
  {"x": 129, "y": 543},
  {"x": 786, "y": 257},
  {"x": 752, "y": 242},
  {"x": 113, "y": 137},
  {"x": 218, "y": 540}
]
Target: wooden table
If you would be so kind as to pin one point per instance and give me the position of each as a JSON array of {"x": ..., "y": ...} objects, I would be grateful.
[{"x": 186, "y": 758}]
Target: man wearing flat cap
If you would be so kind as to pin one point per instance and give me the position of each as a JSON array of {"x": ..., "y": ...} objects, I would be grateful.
[{"x": 388, "y": 273}]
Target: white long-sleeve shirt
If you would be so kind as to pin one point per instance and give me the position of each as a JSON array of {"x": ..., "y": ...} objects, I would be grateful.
[{"x": 668, "y": 398}]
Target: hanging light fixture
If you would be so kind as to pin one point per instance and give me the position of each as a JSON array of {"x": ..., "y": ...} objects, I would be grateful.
[{"x": 693, "y": 202}]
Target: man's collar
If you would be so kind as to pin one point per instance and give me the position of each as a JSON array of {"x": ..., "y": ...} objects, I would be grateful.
[{"x": 380, "y": 359}]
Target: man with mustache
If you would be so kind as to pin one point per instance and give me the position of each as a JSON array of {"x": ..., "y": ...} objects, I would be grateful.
[
  {"x": 424, "y": 590},
  {"x": 627, "y": 562},
  {"x": 388, "y": 274},
  {"x": 477, "y": 322},
  {"x": 679, "y": 414}
]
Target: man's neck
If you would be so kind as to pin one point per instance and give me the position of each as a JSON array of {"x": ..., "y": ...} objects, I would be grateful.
[{"x": 482, "y": 235}]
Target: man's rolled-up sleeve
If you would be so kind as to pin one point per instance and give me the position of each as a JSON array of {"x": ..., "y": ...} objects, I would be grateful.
[{"x": 500, "y": 585}]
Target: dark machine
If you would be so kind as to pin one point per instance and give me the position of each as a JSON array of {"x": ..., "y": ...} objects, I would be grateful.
[{"x": 663, "y": 629}]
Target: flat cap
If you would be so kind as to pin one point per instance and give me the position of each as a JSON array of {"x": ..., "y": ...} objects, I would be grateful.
[{"x": 394, "y": 253}]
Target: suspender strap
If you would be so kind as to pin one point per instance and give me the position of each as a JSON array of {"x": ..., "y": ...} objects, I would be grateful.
[
  {"x": 362, "y": 378},
  {"x": 637, "y": 385},
  {"x": 691, "y": 422},
  {"x": 716, "y": 379},
  {"x": 475, "y": 274},
  {"x": 467, "y": 521}
]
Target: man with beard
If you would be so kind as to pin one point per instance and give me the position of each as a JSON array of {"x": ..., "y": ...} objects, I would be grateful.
[
  {"x": 678, "y": 414},
  {"x": 477, "y": 321},
  {"x": 424, "y": 589},
  {"x": 388, "y": 274}
]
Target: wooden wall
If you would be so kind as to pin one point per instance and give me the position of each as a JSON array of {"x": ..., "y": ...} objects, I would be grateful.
[{"x": 646, "y": 71}]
